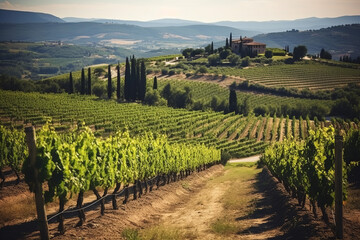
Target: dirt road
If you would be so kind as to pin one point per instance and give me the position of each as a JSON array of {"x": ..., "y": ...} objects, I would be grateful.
[
  {"x": 254, "y": 158},
  {"x": 238, "y": 201}
]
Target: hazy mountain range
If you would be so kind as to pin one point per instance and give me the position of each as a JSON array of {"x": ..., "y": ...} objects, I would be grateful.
[
  {"x": 10, "y": 16},
  {"x": 315, "y": 33},
  {"x": 261, "y": 26},
  {"x": 119, "y": 34}
]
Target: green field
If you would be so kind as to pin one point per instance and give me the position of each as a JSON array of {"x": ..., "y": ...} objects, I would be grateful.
[
  {"x": 241, "y": 136},
  {"x": 313, "y": 76},
  {"x": 307, "y": 74},
  {"x": 204, "y": 91}
]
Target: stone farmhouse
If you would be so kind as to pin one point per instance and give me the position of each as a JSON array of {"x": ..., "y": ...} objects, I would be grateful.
[{"x": 247, "y": 47}]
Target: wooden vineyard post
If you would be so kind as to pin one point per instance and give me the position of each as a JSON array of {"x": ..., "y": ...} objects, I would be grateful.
[
  {"x": 338, "y": 187},
  {"x": 39, "y": 200}
]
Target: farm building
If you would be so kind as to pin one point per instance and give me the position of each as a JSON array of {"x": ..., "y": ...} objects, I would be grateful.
[{"x": 247, "y": 47}]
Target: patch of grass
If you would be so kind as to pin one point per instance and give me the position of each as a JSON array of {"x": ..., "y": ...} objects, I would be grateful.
[
  {"x": 186, "y": 186},
  {"x": 353, "y": 201},
  {"x": 238, "y": 171},
  {"x": 224, "y": 227},
  {"x": 243, "y": 164},
  {"x": 238, "y": 200},
  {"x": 23, "y": 209},
  {"x": 163, "y": 232},
  {"x": 279, "y": 58},
  {"x": 238, "y": 197},
  {"x": 131, "y": 234}
]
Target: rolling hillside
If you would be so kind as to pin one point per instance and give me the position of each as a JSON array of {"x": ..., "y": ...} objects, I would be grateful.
[
  {"x": 10, "y": 16},
  {"x": 339, "y": 40},
  {"x": 166, "y": 22},
  {"x": 118, "y": 34},
  {"x": 285, "y": 25},
  {"x": 258, "y": 26}
]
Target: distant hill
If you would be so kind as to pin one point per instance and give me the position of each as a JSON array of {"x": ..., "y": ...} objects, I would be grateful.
[
  {"x": 339, "y": 40},
  {"x": 255, "y": 26},
  {"x": 76, "y": 19},
  {"x": 166, "y": 22},
  {"x": 121, "y": 34},
  {"x": 298, "y": 24},
  {"x": 10, "y": 16}
]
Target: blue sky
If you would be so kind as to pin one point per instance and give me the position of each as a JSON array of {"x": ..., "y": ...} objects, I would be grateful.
[{"x": 201, "y": 10}]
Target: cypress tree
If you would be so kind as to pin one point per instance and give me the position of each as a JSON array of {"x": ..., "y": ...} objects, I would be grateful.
[
  {"x": 89, "y": 81},
  {"x": 230, "y": 39},
  {"x": 227, "y": 43},
  {"x": 118, "y": 82},
  {"x": 232, "y": 101},
  {"x": 142, "y": 81},
  {"x": 109, "y": 83},
  {"x": 138, "y": 81},
  {"x": 127, "y": 86},
  {"x": 212, "y": 48},
  {"x": 133, "y": 79},
  {"x": 155, "y": 83},
  {"x": 82, "y": 81},
  {"x": 71, "y": 82}
]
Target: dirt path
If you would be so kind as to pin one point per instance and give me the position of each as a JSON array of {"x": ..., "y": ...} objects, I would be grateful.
[
  {"x": 269, "y": 126},
  {"x": 254, "y": 158},
  {"x": 195, "y": 217},
  {"x": 282, "y": 131},
  {"x": 261, "y": 131},
  {"x": 245, "y": 131},
  {"x": 276, "y": 126},
  {"x": 238, "y": 201},
  {"x": 252, "y": 132},
  {"x": 223, "y": 210}
]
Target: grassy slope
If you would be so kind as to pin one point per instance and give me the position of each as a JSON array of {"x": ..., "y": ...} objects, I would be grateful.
[{"x": 338, "y": 39}]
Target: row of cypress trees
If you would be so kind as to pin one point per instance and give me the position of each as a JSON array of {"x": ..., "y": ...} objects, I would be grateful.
[
  {"x": 135, "y": 79},
  {"x": 84, "y": 90},
  {"x": 134, "y": 86}
]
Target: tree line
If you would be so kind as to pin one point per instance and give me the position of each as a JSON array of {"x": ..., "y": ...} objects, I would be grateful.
[{"x": 134, "y": 83}]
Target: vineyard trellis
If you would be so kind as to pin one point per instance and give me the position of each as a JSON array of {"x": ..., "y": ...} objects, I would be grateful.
[{"x": 76, "y": 162}]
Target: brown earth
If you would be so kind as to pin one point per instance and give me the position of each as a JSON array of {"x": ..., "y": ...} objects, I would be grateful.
[
  {"x": 194, "y": 207},
  {"x": 282, "y": 132}
]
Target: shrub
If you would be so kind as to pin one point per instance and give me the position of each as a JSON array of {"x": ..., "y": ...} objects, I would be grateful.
[
  {"x": 99, "y": 71},
  {"x": 299, "y": 52},
  {"x": 214, "y": 59},
  {"x": 153, "y": 98},
  {"x": 164, "y": 71},
  {"x": 260, "y": 110},
  {"x": 245, "y": 62},
  {"x": 203, "y": 69},
  {"x": 198, "y": 105},
  {"x": 268, "y": 54},
  {"x": 224, "y": 54},
  {"x": 234, "y": 59},
  {"x": 225, "y": 156},
  {"x": 99, "y": 90}
]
